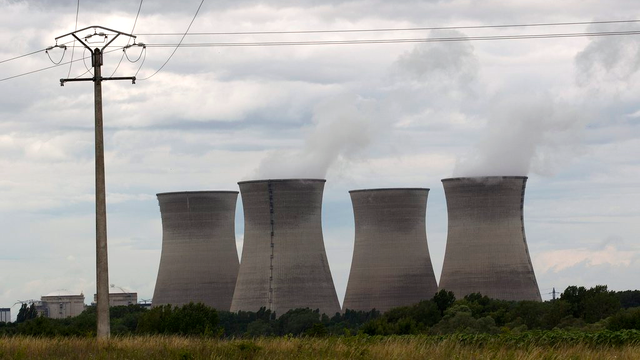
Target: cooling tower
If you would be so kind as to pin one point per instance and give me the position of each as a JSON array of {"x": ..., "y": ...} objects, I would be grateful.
[
  {"x": 199, "y": 261},
  {"x": 284, "y": 265},
  {"x": 391, "y": 265},
  {"x": 486, "y": 246}
]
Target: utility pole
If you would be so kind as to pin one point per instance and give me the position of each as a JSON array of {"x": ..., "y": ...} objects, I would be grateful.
[
  {"x": 554, "y": 293},
  {"x": 102, "y": 260}
]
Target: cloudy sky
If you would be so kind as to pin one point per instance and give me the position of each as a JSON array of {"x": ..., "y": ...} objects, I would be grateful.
[{"x": 563, "y": 111}]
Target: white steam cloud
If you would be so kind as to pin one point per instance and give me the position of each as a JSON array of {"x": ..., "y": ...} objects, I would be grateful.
[
  {"x": 611, "y": 58},
  {"x": 343, "y": 126},
  {"x": 450, "y": 64},
  {"x": 524, "y": 133}
]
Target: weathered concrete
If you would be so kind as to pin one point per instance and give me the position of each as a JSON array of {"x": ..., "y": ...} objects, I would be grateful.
[
  {"x": 61, "y": 304},
  {"x": 487, "y": 250},
  {"x": 199, "y": 261},
  {"x": 284, "y": 264},
  {"x": 391, "y": 265}
]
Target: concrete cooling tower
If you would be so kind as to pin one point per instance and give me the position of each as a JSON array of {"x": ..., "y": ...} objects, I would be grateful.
[
  {"x": 199, "y": 261},
  {"x": 486, "y": 246},
  {"x": 284, "y": 265},
  {"x": 391, "y": 265}
]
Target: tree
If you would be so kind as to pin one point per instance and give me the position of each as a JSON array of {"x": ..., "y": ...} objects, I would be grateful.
[
  {"x": 444, "y": 299},
  {"x": 600, "y": 303},
  {"x": 27, "y": 313},
  {"x": 22, "y": 313}
]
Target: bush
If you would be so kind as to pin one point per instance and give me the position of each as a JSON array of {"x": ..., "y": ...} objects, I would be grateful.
[
  {"x": 626, "y": 319},
  {"x": 190, "y": 319}
]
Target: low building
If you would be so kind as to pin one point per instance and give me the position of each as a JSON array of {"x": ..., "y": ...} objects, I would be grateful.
[
  {"x": 145, "y": 304},
  {"x": 5, "y": 315},
  {"x": 119, "y": 297},
  {"x": 62, "y": 304}
]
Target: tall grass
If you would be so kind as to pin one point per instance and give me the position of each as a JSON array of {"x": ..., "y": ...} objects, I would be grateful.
[{"x": 393, "y": 347}]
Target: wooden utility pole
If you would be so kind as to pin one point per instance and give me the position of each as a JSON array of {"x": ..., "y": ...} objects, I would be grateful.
[{"x": 102, "y": 260}]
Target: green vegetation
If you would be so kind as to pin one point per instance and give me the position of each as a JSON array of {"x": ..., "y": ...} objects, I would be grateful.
[
  {"x": 582, "y": 323},
  {"x": 577, "y": 311},
  {"x": 343, "y": 347}
]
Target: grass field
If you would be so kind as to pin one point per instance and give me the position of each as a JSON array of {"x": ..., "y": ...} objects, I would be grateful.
[{"x": 395, "y": 347}]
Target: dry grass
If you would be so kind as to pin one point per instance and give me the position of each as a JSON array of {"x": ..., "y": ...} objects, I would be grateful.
[{"x": 410, "y": 347}]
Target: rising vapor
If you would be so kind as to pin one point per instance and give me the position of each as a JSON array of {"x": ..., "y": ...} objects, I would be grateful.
[
  {"x": 342, "y": 128},
  {"x": 525, "y": 133}
]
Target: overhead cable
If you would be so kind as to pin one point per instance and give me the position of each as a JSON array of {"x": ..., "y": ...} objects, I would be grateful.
[
  {"x": 397, "y": 29},
  {"x": 135, "y": 21},
  {"x": 178, "y": 45},
  {"x": 21, "y": 56},
  {"x": 73, "y": 50},
  {"x": 52, "y": 67},
  {"x": 402, "y": 40},
  {"x": 358, "y": 30},
  {"x": 64, "y": 51},
  {"x": 31, "y": 53}
]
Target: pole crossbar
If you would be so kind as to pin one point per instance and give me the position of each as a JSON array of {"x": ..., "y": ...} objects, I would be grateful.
[
  {"x": 132, "y": 78},
  {"x": 95, "y": 27}
]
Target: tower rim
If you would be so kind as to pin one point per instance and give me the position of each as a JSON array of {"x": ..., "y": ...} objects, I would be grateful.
[
  {"x": 388, "y": 189},
  {"x": 282, "y": 180},
  {"x": 483, "y": 177},
  {"x": 197, "y": 192}
]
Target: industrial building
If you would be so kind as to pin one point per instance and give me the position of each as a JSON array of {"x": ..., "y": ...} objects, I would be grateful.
[
  {"x": 284, "y": 264},
  {"x": 119, "y": 297},
  {"x": 199, "y": 260},
  {"x": 61, "y": 304},
  {"x": 487, "y": 249},
  {"x": 391, "y": 265},
  {"x": 5, "y": 315}
]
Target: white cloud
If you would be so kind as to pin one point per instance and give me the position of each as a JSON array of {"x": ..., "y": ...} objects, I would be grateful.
[{"x": 558, "y": 260}]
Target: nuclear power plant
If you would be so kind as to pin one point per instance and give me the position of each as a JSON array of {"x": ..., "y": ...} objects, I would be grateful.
[
  {"x": 199, "y": 261},
  {"x": 284, "y": 264},
  {"x": 391, "y": 265},
  {"x": 487, "y": 249}
]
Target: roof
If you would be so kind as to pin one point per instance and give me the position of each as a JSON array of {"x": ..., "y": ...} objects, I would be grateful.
[{"x": 63, "y": 292}]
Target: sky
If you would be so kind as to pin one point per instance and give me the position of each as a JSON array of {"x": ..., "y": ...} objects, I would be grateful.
[{"x": 562, "y": 111}]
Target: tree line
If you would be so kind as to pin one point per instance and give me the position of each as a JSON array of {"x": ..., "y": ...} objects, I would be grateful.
[{"x": 577, "y": 308}]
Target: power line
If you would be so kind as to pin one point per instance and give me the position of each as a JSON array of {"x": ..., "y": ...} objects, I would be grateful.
[
  {"x": 398, "y": 29},
  {"x": 354, "y": 30},
  {"x": 84, "y": 51},
  {"x": 142, "y": 63},
  {"x": 403, "y": 40},
  {"x": 177, "y": 46},
  {"x": 50, "y": 67},
  {"x": 29, "y": 54},
  {"x": 340, "y": 42},
  {"x": 21, "y": 56},
  {"x": 135, "y": 21},
  {"x": 83, "y": 74},
  {"x": 64, "y": 51},
  {"x": 73, "y": 50}
]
